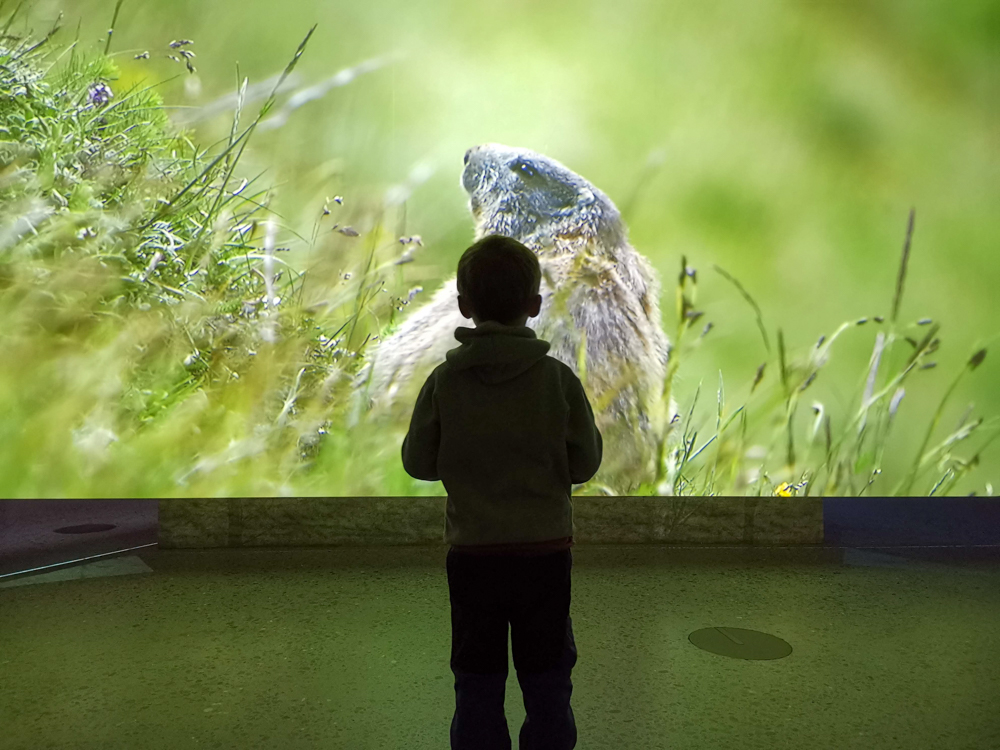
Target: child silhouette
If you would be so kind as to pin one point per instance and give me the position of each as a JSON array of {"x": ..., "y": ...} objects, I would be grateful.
[{"x": 508, "y": 430}]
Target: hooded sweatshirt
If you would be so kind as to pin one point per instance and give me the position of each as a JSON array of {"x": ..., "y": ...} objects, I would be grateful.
[{"x": 508, "y": 430}]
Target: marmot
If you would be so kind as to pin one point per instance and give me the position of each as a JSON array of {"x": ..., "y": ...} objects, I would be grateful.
[{"x": 595, "y": 288}]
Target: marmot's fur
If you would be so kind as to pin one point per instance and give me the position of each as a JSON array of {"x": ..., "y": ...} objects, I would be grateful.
[{"x": 594, "y": 286}]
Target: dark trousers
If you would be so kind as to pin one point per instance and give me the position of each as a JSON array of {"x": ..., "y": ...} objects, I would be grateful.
[{"x": 532, "y": 594}]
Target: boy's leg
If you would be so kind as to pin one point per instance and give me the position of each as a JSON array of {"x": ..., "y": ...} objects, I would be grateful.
[
  {"x": 545, "y": 653},
  {"x": 478, "y": 652}
]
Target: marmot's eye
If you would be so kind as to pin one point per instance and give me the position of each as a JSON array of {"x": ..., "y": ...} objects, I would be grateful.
[{"x": 526, "y": 170}]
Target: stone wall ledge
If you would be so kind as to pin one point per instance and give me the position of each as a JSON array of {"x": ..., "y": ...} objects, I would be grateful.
[{"x": 351, "y": 521}]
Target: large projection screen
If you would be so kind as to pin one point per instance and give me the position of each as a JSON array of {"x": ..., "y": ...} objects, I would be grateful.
[{"x": 218, "y": 218}]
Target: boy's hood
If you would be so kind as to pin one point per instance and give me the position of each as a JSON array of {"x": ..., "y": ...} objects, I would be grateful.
[{"x": 495, "y": 352}]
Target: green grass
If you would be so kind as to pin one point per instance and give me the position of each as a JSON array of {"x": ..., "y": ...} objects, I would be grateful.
[
  {"x": 806, "y": 453},
  {"x": 167, "y": 332}
]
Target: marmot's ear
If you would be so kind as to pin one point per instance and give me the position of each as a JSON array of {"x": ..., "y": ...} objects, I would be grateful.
[{"x": 586, "y": 197}]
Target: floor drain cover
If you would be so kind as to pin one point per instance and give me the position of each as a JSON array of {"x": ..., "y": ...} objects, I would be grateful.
[
  {"x": 85, "y": 528},
  {"x": 740, "y": 644}
]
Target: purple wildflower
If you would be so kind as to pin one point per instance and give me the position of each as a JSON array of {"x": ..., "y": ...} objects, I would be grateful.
[{"x": 99, "y": 94}]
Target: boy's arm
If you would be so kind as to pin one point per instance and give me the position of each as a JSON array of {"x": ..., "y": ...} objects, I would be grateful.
[
  {"x": 584, "y": 445},
  {"x": 420, "y": 446}
]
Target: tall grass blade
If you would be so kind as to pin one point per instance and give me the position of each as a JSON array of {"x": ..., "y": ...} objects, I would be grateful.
[
  {"x": 901, "y": 278},
  {"x": 748, "y": 298},
  {"x": 114, "y": 20}
]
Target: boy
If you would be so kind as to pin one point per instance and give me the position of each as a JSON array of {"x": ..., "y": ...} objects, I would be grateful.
[{"x": 508, "y": 430}]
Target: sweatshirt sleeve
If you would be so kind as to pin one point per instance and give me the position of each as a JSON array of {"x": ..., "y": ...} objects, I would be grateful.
[
  {"x": 420, "y": 446},
  {"x": 584, "y": 445}
]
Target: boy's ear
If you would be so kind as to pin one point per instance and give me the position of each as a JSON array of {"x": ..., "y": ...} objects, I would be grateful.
[
  {"x": 463, "y": 307},
  {"x": 535, "y": 306}
]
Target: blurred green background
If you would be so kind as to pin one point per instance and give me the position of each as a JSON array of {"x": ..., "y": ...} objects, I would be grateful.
[{"x": 783, "y": 141}]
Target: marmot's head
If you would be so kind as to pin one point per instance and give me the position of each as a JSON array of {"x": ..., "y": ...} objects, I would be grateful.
[{"x": 534, "y": 199}]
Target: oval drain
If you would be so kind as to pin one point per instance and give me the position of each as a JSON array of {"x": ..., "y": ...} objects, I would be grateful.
[
  {"x": 85, "y": 528},
  {"x": 739, "y": 643}
]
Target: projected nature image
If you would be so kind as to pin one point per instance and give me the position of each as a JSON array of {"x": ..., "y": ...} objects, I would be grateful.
[{"x": 229, "y": 235}]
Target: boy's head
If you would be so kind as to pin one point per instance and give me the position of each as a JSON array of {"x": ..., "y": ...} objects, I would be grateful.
[{"x": 498, "y": 279}]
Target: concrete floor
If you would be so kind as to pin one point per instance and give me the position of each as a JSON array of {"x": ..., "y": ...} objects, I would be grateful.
[{"x": 348, "y": 647}]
